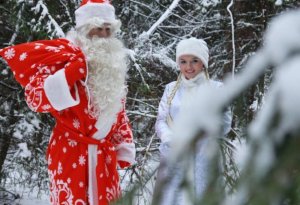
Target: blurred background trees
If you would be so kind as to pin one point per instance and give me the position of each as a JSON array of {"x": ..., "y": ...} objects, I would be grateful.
[{"x": 24, "y": 134}]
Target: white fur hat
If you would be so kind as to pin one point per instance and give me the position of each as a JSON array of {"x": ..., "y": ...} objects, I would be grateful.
[
  {"x": 91, "y": 9},
  {"x": 193, "y": 46}
]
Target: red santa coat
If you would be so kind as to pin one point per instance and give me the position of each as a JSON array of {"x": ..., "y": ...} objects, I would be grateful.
[{"x": 82, "y": 164}]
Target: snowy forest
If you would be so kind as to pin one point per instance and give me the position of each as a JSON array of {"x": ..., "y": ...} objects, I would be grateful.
[{"x": 254, "y": 48}]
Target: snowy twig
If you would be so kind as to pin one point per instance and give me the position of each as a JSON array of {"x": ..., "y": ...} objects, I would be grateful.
[
  {"x": 67, "y": 10},
  {"x": 142, "y": 149},
  {"x": 14, "y": 36},
  {"x": 15, "y": 196},
  {"x": 140, "y": 113},
  {"x": 144, "y": 5},
  {"x": 6, "y": 85},
  {"x": 149, "y": 145},
  {"x": 142, "y": 101},
  {"x": 233, "y": 38},
  {"x": 136, "y": 65},
  {"x": 144, "y": 160},
  {"x": 163, "y": 17}
]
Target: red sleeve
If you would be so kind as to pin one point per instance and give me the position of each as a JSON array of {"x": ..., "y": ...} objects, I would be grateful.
[
  {"x": 123, "y": 140},
  {"x": 122, "y": 130}
]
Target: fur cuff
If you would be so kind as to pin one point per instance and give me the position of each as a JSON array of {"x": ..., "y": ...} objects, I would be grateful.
[
  {"x": 126, "y": 152},
  {"x": 58, "y": 93}
]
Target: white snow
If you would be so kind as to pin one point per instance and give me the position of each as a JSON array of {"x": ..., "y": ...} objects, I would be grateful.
[
  {"x": 254, "y": 105},
  {"x": 30, "y": 197},
  {"x": 284, "y": 96},
  {"x": 242, "y": 153},
  {"x": 33, "y": 201},
  {"x": 207, "y": 3},
  {"x": 278, "y": 2},
  {"x": 4, "y": 72},
  {"x": 23, "y": 150},
  {"x": 282, "y": 37},
  {"x": 26, "y": 127}
]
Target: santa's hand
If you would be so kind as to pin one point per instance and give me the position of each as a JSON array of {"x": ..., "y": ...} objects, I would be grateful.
[{"x": 75, "y": 70}]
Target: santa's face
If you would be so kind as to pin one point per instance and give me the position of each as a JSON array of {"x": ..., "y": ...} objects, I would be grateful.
[{"x": 103, "y": 31}]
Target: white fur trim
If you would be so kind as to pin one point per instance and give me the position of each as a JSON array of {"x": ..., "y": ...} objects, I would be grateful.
[
  {"x": 193, "y": 46},
  {"x": 92, "y": 161},
  {"x": 103, "y": 126},
  {"x": 58, "y": 93},
  {"x": 103, "y": 11},
  {"x": 126, "y": 152}
]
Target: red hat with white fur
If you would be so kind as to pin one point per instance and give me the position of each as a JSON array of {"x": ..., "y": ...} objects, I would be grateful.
[{"x": 95, "y": 9}]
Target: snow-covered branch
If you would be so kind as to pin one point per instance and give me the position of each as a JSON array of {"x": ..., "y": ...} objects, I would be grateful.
[
  {"x": 163, "y": 17},
  {"x": 141, "y": 113},
  {"x": 52, "y": 23},
  {"x": 232, "y": 37},
  {"x": 19, "y": 16}
]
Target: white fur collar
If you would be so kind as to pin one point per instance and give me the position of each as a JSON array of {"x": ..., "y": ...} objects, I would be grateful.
[{"x": 197, "y": 80}]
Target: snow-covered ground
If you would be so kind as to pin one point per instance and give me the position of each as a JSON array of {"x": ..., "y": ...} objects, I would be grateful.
[
  {"x": 26, "y": 197},
  {"x": 143, "y": 196},
  {"x": 33, "y": 201}
]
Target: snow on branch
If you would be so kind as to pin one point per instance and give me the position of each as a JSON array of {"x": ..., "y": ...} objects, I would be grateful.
[
  {"x": 45, "y": 12},
  {"x": 14, "y": 36},
  {"x": 141, "y": 114},
  {"x": 283, "y": 46},
  {"x": 67, "y": 9},
  {"x": 233, "y": 38},
  {"x": 163, "y": 17}
]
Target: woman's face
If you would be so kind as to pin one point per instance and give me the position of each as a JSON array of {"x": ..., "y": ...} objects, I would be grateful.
[
  {"x": 190, "y": 66},
  {"x": 101, "y": 32}
]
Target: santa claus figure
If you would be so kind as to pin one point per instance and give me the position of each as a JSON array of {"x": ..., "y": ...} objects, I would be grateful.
[{"x": 80, "y": 81}]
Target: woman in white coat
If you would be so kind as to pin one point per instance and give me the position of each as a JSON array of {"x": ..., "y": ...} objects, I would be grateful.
[{"x": 192, "y": 59}]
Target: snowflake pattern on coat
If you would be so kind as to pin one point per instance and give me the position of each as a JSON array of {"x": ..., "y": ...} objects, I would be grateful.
[{"x": 67, "y": 155}]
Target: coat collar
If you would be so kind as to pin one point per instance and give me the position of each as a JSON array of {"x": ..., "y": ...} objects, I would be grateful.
[{"x": 197, "y": 80}]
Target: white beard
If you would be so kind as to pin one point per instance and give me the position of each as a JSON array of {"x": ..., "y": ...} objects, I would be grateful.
[{"x": 107, "y": 68}]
